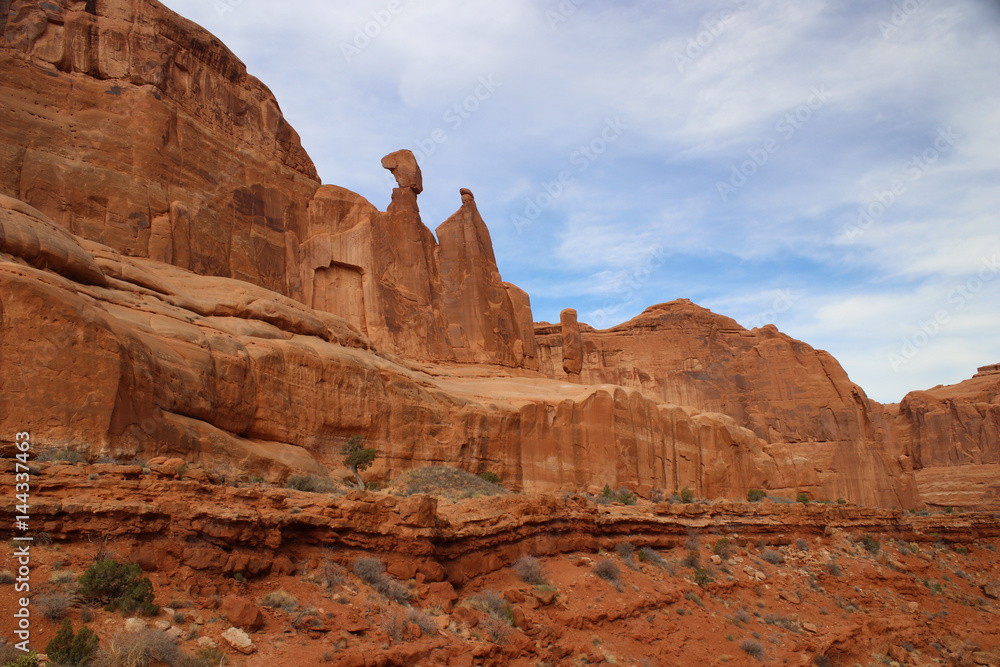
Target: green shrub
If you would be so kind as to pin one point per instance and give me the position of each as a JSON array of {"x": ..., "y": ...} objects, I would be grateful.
[
  {"x": 687, "y": 495},
  {"x": 756, "y": 495},
  {"x": 840, "y": 501},
  {"x": 69, "y": 649},
  {"x": 490, "y": 477},
  {"x": 622, "y": 495},
  {"x": 722, "y": 548},
  {"x": 802, "y": 497},
  {"x": 870, "y": 544},
  {"x": 118, "y": 586},
  {"x": 702, "y": 577},
  {"x": 11, "y": 657}
]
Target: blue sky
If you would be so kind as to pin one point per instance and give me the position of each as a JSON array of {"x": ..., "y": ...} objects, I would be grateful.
[{"x": 829, "y": 167}]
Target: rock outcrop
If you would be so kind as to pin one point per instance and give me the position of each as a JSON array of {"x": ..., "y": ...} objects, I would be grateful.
[
  {"x": 133, "y": 127},
  {"x": 175, "y": 281},
  {"x": 952, "y": 434},
  {"x": 797, "y": 399}
]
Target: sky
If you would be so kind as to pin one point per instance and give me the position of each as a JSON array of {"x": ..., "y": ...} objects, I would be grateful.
[{"x": 831, "y": 167}]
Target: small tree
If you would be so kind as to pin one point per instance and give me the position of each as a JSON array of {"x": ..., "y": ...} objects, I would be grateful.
[
  {"x": 357, "y": 457},
  {"x": 67, "y": 649}
]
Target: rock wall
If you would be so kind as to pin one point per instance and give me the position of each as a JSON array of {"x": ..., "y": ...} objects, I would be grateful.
[
  {"x": 797, "y": 399},
  {"x": 131, "y": 126},
  {"x": 952, "y": 434}
]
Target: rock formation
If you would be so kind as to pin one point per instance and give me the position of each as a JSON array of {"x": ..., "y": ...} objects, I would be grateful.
[{"x": 174, "y": 280}]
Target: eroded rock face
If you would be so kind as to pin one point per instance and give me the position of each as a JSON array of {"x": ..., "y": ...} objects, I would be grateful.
[
  {"x": 797, "y": 399},
  {"x": 154, "y": 140},
  {"x": 952, "y": 436},
  {"x": 483, "y": 326},
  {"x": 174, "y": 281}
]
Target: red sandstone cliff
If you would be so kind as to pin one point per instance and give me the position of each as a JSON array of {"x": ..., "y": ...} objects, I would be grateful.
[{"x": 175, "y": 280}]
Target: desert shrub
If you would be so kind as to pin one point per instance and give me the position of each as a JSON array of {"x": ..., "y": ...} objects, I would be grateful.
[
  {"x": 722, "y": 548},
  {"x": 870, "y": 544},
  {"x": 648, "y": 555},
  {"x": 492, "y": 603},
  {"x": 833, "y": 569},
  {"x": 452, "y": 483},
  {"x": 702, "y": 577},
  {"x": 691, "y": 560},
  {"x": 310, "y": 484},
  {"x": 53, "y": 605},
  {"x": 687, "y": 495},
  {"x": 61, "y": 456},
  {"x": 372, "y": 572},
  {"x": 756, "y": 495},
  {"x": 143, "y": 648},
  {"x": 118, "y": 586},
  {"x": 607, "y": 570},
  {"x": 332, "y": 572},
  {"x": 67, "y": 648},
  {"x": 773, "y": 557},
  {"x": 802, "y": 545},
  {"x": 530, "y": 570},
  {"x": 11, "y": 657},
  {"x": 743, "y": 617},
  {"x": 496, "y": 630},
  {"x": 822, "y": 661},
  {"x": 62, "y": 577},
  {"x": 489, "y": 477},
  {"x": 753, "y": 648},
  {"x": 625, "y": 549},
  {"x": 691, "y": 596},
  {"x": 962, "y": 549},
  {"x": 279, "y": 599},
  {"x": 622, "y": 495},
  {"x": 423, "y": 621},
  {"x": 802, "y": 497}
]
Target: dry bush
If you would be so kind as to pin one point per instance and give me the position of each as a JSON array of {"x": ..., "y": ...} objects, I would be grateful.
[
  {"x": 607, "y": 570},
  {"x": 282, "y": 600},
  {"x": 530, "y": 570},
  {"x": 372, "y": 572},
  {"x": 139, "y": 649}
]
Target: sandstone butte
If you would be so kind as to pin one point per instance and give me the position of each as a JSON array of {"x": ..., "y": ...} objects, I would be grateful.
[
  {"x": 178, "y": 288},
  {"x": 174, "y": 280}
]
